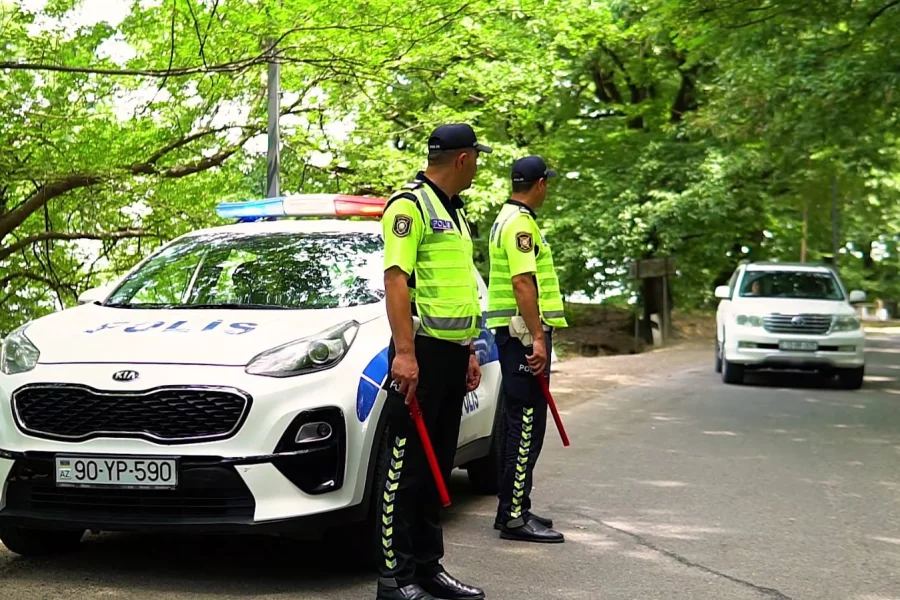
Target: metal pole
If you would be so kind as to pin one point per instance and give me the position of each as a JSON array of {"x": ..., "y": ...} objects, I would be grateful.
[{"x": 272, "y": 155}]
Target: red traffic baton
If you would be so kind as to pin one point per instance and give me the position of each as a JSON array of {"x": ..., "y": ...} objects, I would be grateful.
[
  {"x": 559, "y": 424},
  {"x": 415, "y": 411}
]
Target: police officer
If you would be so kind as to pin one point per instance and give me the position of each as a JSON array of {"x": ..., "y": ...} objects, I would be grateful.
[
  {"x": 524, "y": 305},
  {"x": 435, "y": 315}
]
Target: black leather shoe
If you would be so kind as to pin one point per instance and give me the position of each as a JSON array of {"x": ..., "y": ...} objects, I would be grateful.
[
  {"x": 407, "y": 592},
  {"x": 548, "y": 523},
  {"x": 446, "y": 587},
  {"x": 532, "y": 531}
]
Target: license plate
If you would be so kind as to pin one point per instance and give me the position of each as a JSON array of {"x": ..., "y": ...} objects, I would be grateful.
[
  {"x": 799, "y": 346},
  {"x": 116, "y": 471}
]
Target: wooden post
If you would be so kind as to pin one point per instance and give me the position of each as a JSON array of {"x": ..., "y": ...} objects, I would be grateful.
[{"x": 664, "y": 318}]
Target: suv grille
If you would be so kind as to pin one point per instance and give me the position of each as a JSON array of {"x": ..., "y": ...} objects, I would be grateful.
[
  {"x": 76, "y": 413},
  {"x": 801, "y": 324}
]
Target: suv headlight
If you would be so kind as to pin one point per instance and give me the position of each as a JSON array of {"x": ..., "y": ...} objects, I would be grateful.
[
  {"x": 307, "y": 355},
  {"x": 18, "y": 354},
  {"x": 749, "y": 321},
  {"x": 845, "y": 323}
]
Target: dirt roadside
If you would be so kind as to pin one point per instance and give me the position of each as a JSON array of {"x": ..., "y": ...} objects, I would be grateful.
[{"x": 577, "y": 379}]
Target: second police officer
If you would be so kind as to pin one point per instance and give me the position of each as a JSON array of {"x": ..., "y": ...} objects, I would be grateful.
[
  {"x": 524, "y": 305},
  {"x": 435, "y": 315}
]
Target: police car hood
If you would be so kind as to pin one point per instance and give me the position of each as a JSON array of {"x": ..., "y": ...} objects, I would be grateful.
[{"x": 96, "y": 334}]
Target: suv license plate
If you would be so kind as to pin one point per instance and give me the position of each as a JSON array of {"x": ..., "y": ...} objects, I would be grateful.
[
  {"x": 801, "y": 346},
  {"x": 116, "y": 471}
]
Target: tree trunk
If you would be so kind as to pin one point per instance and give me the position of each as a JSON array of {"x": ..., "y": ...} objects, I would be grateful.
[
  {"x": 835, "y": 222},
  {"x": 805, "y": 229}
]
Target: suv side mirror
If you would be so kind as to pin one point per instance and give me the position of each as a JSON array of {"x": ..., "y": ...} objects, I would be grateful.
[
  {"x": 723, "y": 292},
  {"x": 857, "y": 297},
  {"x": 97, "y": 294}
]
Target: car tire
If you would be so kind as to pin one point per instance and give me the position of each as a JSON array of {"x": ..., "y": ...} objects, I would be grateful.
[
  {"x": 851, "y": 379},
  {"x": 718, "y": 356},
  {"x": 732, "y": 373},
  {"x": 483, "y": 472},
  {"x": 40, "y": 542}
]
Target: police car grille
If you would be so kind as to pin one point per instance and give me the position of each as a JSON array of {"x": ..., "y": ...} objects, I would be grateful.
[
  {"x": 802, "y": 324},
  {"x": 172, "y": 414}
]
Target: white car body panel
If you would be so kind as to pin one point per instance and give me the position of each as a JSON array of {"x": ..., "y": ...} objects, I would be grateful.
[{"x": 86, "y": 345}]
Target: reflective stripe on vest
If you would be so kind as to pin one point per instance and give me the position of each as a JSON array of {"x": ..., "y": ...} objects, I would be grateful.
[
  {"x": 502, "y": 303},
  {"x": 446, "y": 293}
]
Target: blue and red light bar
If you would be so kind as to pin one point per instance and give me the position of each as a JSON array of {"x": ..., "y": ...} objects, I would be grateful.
[{"x": 303, "y": 205}]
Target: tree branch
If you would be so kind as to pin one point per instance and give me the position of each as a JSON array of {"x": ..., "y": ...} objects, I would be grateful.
[
  {"x": 41, "y": 196},
  {"x": 59, "y": 235},
  {"x": 874, "y": 16},
  {"x": 26, "y": 275},
  {"x": 146, "y": 167},
  {"x": 208, "y": 162}
]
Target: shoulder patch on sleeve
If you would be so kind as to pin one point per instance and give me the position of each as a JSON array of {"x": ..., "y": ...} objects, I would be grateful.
[
  {"x": 524, "y": 242},
  {"x": 402, "y": 225}
]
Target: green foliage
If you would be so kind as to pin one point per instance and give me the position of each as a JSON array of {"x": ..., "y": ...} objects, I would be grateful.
[{"x": 684, "y": 127}]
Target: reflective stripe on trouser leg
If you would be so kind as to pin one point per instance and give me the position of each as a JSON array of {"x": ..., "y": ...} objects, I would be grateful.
[
  {"x": 521, "y": 473},
  {"x": 390, "y": 493}
]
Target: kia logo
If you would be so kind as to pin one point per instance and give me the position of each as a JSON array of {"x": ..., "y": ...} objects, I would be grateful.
[{"x": 126, "y": 375}]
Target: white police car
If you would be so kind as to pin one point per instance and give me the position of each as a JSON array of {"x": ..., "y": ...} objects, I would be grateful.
[{"x": 230, "y": 382}]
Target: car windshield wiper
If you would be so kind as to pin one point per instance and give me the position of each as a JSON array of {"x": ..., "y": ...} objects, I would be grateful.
[
  {"x": 231, "y": 305},
  {"x": 129, "y": 305}
]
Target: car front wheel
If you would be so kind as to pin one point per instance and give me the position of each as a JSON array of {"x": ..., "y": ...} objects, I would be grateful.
[
  {"x": 851, "y": 379},
  {"x": 718, "y": 356},
  {"x": 732, "y": 373},
  {"x": 40, "y": 542}
]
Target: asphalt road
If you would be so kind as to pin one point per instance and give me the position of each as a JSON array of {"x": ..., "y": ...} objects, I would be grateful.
[{"x": 678, "y": 488}]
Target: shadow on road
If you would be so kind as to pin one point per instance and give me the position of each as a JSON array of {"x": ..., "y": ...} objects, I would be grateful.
[{"x": 147, "y": 565}]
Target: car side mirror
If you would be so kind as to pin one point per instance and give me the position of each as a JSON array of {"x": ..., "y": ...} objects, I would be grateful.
[
  {"x": 97, "y": 294},
  {"x": 857, "y": 297},
  {"x": 723, "y": 292}
]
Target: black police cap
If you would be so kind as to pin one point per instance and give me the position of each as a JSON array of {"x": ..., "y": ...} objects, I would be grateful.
[
  {"x": 455, "y": 136},
  {"x": 531, "y": 168}
]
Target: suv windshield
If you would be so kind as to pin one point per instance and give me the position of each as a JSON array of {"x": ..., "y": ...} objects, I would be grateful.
[
  {"x": 282, "y": 270},
  {"x": 791, "y": 284}
]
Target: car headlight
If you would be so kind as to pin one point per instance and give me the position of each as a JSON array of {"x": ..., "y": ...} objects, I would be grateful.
[
  {"x": 749, "y": 321},
  {"x": 18, "y": 354},
  {"x": 307, "y": 355},
  {"x": 845, "y": 323}
]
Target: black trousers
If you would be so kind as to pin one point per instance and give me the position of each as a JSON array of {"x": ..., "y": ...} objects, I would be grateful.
[
  {"x": 524, "y": 425},
  {"x": 408, "y": 511}
]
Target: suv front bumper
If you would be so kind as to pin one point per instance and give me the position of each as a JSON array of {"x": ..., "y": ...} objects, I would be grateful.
[
  {"x": 755, "y": 348},
  {"x": 214, "y": 494}
]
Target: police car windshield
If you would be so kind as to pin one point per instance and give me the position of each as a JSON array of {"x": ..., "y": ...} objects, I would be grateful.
[
  {"x": 253, "y": 271},
  {"x": 791, "y": 284}
]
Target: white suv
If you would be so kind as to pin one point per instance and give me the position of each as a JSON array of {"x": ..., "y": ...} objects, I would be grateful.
[
  {"x": 789, "y": 316},
  {"x": 233, "y": 381}
]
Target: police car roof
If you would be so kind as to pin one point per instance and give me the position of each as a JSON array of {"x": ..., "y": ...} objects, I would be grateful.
[{"x": 789, "y": 266}]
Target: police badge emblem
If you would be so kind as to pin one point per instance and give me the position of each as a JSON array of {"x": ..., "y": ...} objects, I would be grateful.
[
  {"x": 402, "y": 225},
  {"x": 524, "y": 242}
]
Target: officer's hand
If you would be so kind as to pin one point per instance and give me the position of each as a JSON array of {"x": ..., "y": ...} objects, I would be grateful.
[
  {"x": 537, "y": 360},
  {"x": 405, "y": 373},
  {"x": 473, "y": 375}
]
